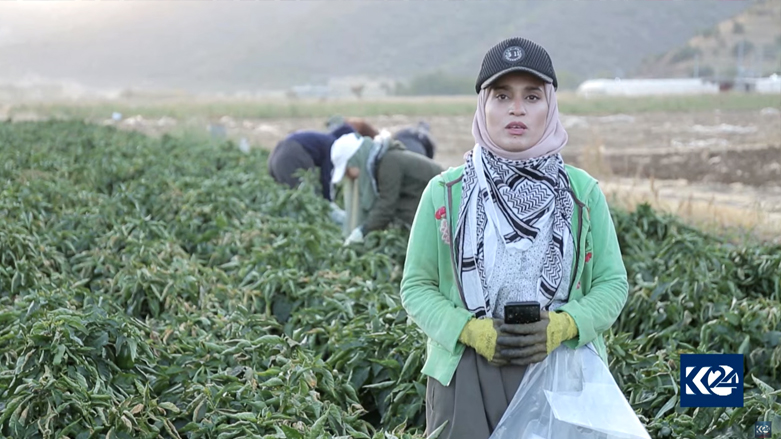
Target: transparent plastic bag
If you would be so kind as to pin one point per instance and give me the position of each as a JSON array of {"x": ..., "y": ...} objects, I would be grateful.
[{"x": 569, "y": 395}]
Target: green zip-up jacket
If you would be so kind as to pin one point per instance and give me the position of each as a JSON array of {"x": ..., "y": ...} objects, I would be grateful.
[{"x": 431, "y": 290}]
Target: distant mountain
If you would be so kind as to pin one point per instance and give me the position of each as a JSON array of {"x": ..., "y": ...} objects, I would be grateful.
[
  {"x": 274, "y": 44},
  {"x": 747, "y": 44}
]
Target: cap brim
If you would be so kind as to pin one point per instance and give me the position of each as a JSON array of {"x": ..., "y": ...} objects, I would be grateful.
[
  {"x": 493, "y": 78},
  {"x": 341, "y": 151},
  {"x": 338, "y": 174}
]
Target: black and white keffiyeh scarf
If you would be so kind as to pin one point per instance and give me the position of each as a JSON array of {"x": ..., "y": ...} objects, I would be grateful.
[{"x": 511, "y": 200}]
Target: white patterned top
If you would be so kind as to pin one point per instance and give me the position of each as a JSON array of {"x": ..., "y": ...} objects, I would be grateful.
[{"x": 516, "y": 275}]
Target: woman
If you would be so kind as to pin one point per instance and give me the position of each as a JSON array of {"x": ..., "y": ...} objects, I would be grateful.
[
  {"x": 512, "y": 224},
  {"x": 390, "y": 180}
]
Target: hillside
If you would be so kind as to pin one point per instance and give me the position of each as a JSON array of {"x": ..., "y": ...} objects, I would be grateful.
[
  {"x": 241, "y": 45},
  {"x": 749, "y": 43}
]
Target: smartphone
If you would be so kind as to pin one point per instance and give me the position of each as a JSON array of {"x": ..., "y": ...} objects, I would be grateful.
[{"x": 516, "y": 313}]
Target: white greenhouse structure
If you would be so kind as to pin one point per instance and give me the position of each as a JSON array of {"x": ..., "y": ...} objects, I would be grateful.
[{"x": 646, "y": 87}]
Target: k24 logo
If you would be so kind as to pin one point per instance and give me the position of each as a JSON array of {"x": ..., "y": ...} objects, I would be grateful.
[
  {"x": 711, "y": 380},
  {"x": 763, "y": 430}
]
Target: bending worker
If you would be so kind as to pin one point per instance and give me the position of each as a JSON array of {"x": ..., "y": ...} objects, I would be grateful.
[
  {"x": 390, "y": 180},
  {"x": 305, "y": 150}
]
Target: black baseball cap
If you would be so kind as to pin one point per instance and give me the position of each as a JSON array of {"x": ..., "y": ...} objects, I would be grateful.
[{"x": 516, "y": 55}]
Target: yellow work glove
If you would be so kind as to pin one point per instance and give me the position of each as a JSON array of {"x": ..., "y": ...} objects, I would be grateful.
[
  {"x": 480, "y": 335},
  {"x": 560, "y": 329}
]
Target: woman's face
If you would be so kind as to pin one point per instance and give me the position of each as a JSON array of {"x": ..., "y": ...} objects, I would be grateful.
[{"x": 516, "y": 111}]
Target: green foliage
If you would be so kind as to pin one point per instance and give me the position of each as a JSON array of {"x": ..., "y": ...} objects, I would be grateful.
[
  {"x": 169, "y": 288},
  {"x": 692, "y": 293}
]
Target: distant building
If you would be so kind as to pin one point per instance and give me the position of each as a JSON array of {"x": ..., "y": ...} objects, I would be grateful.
[
  {"x": 771, "y": 84},
  {"x": 646, "y": 87}
]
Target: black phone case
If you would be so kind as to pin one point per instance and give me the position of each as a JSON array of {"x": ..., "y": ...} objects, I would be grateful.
[{"x": 517, "y": 313}]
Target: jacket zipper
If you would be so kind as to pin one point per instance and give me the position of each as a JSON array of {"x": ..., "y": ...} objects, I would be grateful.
[
  {"x": 449, "y": 186},
  {"x": 581, "y": 206}
]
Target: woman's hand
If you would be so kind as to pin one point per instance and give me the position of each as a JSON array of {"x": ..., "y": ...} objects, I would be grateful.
[
  {"x": 497, "y": 359},
  {"x": 522, "y": 344},
  {"x": 480, "y": 334}
]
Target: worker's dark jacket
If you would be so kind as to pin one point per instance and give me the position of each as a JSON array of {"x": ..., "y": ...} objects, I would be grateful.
[
  {"x": 401, "y": 177},
  {"x": 416, "y": 140}
]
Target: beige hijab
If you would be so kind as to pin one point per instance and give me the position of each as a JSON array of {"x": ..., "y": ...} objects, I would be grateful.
[{"x": 553, "y": 139}]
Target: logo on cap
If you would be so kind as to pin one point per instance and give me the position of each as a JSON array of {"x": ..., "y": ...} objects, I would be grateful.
[{"x": 513, "y": 53}]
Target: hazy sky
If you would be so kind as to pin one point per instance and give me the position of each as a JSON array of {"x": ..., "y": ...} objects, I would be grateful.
[{"x": 275, "y": 43}]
